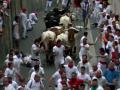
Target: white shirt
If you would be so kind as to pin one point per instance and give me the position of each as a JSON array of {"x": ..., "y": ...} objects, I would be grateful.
[
  {"x": 33, "y": 18},
  {"x": 5, "y": 4},
  {"x": 15, "y": 85},
  {"x": 64, "y": 2},
  {"x": 59, "y": 80},
  {"x": 116, "y": 38},
  {"x": 34, "y": 50},
  {"x": 119, "y": 48},
  {"x": 59, "y": 86},
  {"x": 85, "y": 6},
  {"x": 32, "y": 85},
  {"x": 69, "y": 71},
  {"x": 33, "y": 75},
  {"x": 23, "y": 88},
  {"x": 108, "y": 9},
  {"x": 8, "y": 61},
  {"x": 41, "y": 70},
  {"x": 93, "y": 73},
  {"x": 9, "y": 72},
  {"x": 23, "y": 18},
  {"x": 9, "y": 87},
  {"x": 84, "y": 49},
  {"x": 17, "y": 62},
  {"x": 16, "y": 30},
  {"x": 82, "y": 38},
  {"x": 58, "y": 52},
  {"x": 102, "y": 81},
  {"x": 1, "y": 81},
  {"x": 86, "y": 65},
  {"x": 109, "y": 45},
  {"x": 29, "y": 24},
  {"x": 56, "y": 76},
  {"x": 1, "y": 22},
  {"x": 85, "y": 77}
]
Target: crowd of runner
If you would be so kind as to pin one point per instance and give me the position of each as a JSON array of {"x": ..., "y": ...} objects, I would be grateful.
[{"x": 85, "y": 74}]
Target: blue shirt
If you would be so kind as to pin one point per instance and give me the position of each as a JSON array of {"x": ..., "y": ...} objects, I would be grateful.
[{"x": 111, "y": 75}]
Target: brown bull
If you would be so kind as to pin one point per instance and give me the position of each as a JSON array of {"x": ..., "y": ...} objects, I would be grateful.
[
  {"x": 57, "y": 30},
  {"x": 71, "y": 39}
]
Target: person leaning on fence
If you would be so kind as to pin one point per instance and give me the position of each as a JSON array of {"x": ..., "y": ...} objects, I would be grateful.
[
  {"x": 1, "y": 24},
  {"x": 23, "y": 16},
  {"x": 16, "y": 31}
]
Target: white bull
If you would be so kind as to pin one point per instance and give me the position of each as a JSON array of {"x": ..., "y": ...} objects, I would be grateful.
[
  {"x": 65, "y": 21},
  {"x": 48, "y": 38},
  {"x": 50, "y": 35}
]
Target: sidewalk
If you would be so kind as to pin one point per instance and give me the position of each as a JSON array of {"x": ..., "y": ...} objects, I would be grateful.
[{"x": 115, "y": 6}]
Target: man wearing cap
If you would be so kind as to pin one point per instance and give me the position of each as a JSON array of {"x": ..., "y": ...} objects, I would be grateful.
[
  {"x": 95, "y": 85},
  {"x": 101, "y": 79}
]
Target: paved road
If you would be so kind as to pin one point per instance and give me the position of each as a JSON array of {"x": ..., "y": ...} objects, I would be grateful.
[{"x": 25, "y": 46}]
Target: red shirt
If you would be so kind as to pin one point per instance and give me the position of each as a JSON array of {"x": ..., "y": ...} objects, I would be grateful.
[
  {"x": 75, "y": 83},
  {"x": 77, "y": 3}
]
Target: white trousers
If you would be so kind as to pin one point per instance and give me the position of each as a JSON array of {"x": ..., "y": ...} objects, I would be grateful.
[
  {"x": 48, "y": 5},
  {"x": 24, "y": 30},
  {"x": 57, "y": 63}
]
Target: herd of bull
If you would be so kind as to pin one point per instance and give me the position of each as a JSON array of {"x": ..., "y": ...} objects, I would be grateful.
[{"x": 59, "y": 25}]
